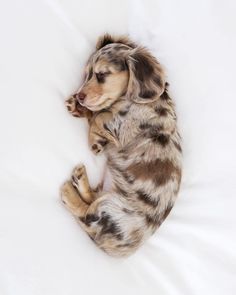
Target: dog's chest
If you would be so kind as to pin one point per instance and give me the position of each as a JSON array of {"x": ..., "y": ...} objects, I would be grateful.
[{"x": 126, "y": 127}]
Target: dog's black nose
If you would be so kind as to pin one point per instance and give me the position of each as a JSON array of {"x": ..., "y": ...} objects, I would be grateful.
[{"x": 81, "y": 96}]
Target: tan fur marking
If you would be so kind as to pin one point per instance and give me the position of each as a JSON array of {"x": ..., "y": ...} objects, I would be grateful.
[{"x": 159, "y": 171}]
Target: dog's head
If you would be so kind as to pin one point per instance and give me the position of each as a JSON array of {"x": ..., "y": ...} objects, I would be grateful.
[{"x": 120, "y": 68}]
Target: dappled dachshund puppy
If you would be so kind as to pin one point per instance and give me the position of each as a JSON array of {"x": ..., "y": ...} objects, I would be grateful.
[{"x": 132, "y": 119}]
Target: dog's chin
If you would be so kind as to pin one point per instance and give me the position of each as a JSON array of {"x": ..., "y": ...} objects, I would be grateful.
[
  {"x": 94, "y": 108},
  {"x": 98, "y": 106}
]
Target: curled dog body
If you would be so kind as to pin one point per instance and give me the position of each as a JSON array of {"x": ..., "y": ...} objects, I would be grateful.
[{"x": 132, "y": 120}]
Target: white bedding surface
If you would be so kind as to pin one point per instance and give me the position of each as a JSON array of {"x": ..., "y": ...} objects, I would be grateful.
[{"x": 44, "y": 45}]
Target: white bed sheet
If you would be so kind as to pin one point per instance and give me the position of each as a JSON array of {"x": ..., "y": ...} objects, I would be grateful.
[{"x": 44, "y": 45}]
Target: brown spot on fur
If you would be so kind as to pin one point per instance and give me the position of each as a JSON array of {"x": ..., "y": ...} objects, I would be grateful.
[
  {"x": 158, "y": 81},
  {"x": 161, "y": 111},
  {"x": 157, "y": 219},
  {"x": 145, "y": 125},
  {"x": 154, "y": 130},
  {"x": 158, "y": 137},
  {"x": 166, "y": 213},
  {"x": 89, "y": 218},
  {"x": 143, "y": 67},
  {"x": 128, "y": 211},
  {"x": 147, "y": 199},
  {"x": 106, "y": 127},
  {"x": 123, "y": 112},
  {"x": 120, "y": 190},
  {"x": 148, "y": 74},
  {"x": 128, "y": 177},
  {"x": 160, "y": 172},
  {"x": 151, "y": 220},
  {"x": 120, "y": 63},
  {"x": 103, "y": 142},
  {"x": 163, "y": 139},
  {"x": 147, "y": 93},
  {"x": 109, "y": 226},
  {"x": 164, "y": 96},
  {"x": 94, "y": 146}
]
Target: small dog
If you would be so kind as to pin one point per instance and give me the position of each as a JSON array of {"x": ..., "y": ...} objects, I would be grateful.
[{"x": 132, "y": 119}]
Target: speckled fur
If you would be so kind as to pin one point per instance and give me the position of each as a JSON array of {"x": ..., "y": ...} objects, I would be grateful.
[{"x": 132, "y": 120}]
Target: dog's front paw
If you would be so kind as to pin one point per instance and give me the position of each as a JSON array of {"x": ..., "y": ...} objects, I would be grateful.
[
  {"x": 75, "y": 108},
  {"x": 98, "y": 146}
]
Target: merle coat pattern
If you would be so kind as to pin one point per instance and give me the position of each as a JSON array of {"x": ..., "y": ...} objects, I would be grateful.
[{"x": 132, "y": 120}]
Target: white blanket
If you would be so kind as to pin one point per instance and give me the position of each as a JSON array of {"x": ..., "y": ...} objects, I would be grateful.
[{"x": 43, "y": 47}]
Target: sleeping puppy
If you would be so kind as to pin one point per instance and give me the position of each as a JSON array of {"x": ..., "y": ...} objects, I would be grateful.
[{"x": 132, "y": 119}]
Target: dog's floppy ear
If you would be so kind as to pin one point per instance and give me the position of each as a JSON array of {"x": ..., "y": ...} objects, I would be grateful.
[
  {"x": 146, "y": 79},
  {"x": 108, "y": 39}
]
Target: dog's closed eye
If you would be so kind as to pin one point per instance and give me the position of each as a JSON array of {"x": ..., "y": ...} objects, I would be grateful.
[{"x": 101, "y": 76}]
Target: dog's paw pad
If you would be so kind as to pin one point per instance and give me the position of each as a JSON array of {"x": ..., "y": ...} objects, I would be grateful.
[
  {"x": 73, "y": 107},
  {"x": 96, "y": 148},
  {"x": 78, "y": 172},
  {"x": 70, "y": 103}
]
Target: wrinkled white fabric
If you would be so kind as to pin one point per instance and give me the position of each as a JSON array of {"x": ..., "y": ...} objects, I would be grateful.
[{"x": 44, "y": 46}]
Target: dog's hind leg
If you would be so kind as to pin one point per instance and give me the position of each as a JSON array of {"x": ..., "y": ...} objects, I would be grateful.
[
  {"x": 73, "y": 202},
  {"x": 71, "y": 199},
  {"x": 80, "y": 182}
]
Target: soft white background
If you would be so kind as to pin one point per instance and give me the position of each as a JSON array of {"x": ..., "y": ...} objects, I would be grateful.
[{"x": 43, "y": 47}]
